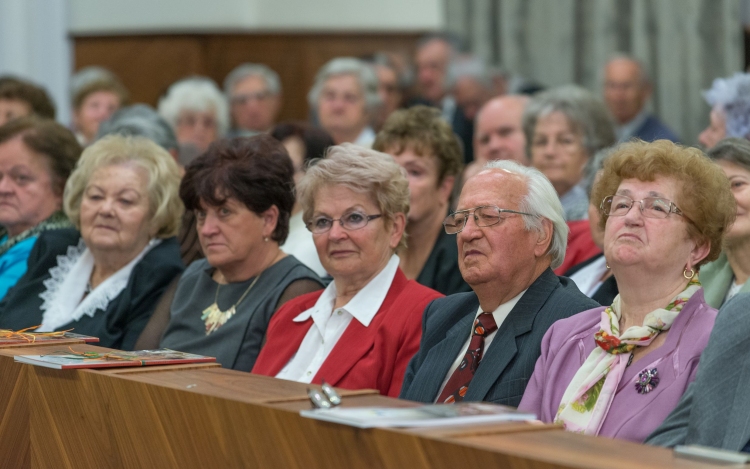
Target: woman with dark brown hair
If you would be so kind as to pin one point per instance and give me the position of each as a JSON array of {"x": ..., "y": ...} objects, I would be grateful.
[{"x": 241, "y": 191}]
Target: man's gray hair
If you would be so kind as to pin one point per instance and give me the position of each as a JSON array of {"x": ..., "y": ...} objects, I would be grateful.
[
  {"x": 140, "y": 120},
  {"x": 364, "y": 73},
  {"x": 541, "y": 201},
  {"x": 643, "y": 73},
  {"x": 469, "y": 66},
  {"x": 198, "y": 94},
  {"x": 584, "y": 113},
  {"x": 273, "y": 83}
]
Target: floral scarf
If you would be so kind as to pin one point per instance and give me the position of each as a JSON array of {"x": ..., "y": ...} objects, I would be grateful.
[
  {"x": 56, "y": 221},
  {"x": 586, "y": 401}
]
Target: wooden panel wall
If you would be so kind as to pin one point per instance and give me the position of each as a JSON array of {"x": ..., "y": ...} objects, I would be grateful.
[{"x": 149, "y": 64}]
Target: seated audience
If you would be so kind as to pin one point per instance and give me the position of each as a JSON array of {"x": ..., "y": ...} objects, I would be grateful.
[
  {"x": 627, "y": 89},
  {"x": 104, "y": 279},
  {"x": 242, "y": 193},
  {"x": 361, "y": 331},
  {"x": 304, "y": 143},
  {"x": 36, "y": 158},
  {"x": 345, "y": 99},
  {"x": 729, "y": 99},
  {"x": 729, "y": 274},
  {"x": 141, "y": 120},
  {"x": 618, "y": 371},
  {"x": 564, "y": 127},
  {"x": 197, "y": 111},
  {"x": 426, "y": 147},
  {"x": 20, "y": 98},
  {"x": 713, "y": 410},
  {"x": 254, "y": 95},
  {"x": 97, "y": 94},
  {"x": 510, "y": 232},
  {"x": 498, "y": 133}
]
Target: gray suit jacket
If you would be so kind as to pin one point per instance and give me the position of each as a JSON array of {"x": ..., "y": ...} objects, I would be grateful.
[
  {"x": 509, "y": 362},
  {"x": 715, "y": 409}
]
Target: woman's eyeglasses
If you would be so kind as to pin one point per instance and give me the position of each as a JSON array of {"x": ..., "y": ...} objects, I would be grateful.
[
  {"x": 350, "y": 221},
  {"x": 651, "y": 207}
]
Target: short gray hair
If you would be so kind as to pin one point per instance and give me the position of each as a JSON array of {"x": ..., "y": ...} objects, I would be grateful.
[
  {"x": 541, "y": 201},
  {"x": 273, "y": 83},
  {"x": 734, "y": 150},
  {"x": 731, "y": 97},
  {"x": 643, "y": 73},
  {"x": 140, "y": 120},
  {"x": 195, "y": 94},
  {"x": 364, "y": 73},
  {"x": 584, "y": 112},
  {"x": 469, "y": 66},
  {"x": 361, "y": 170}
]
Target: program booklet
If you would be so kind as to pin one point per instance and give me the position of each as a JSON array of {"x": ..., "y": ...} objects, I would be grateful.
[
  {"x": 423, "y": 416},
  {"x": 70, "y": 358},
  {"x": 31, "y": 338}
]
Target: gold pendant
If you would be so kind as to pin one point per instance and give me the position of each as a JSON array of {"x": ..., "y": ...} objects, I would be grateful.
[{"x": 214, "y": 318}]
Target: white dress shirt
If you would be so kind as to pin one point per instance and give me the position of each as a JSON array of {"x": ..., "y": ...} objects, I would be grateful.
[
  {"x": 329, "y": 324},
  {"x": 589, "y": 278},
  {"x": 500, "y": 313},
  {"x": 366, "y": 138},
  {"x": 300, "y": 244}
]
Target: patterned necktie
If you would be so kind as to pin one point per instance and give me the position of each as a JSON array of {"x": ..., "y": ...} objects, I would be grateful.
[{"x": 456, "y": 387}]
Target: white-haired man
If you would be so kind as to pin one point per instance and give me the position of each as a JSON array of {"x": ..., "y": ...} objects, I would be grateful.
[
  {"x": 254, "y": 93},
  {"x": 627, "y": 89},
  {"x": 510, "y": 230}
]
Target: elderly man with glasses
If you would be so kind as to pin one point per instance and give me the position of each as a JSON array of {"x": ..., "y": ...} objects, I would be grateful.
[{"x": 482, "y": 345}]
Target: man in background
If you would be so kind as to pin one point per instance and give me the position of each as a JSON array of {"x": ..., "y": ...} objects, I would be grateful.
[{"x": 254, "y": 95}]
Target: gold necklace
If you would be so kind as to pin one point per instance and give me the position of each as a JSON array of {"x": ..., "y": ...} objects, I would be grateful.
[{"x": 214, "y": 318}]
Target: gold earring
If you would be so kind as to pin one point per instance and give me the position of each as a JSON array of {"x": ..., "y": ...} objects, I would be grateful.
[
  {"x": 608, "y": 267},
  {"x": 685, "y": 273}
]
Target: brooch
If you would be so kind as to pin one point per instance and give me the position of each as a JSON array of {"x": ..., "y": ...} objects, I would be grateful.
[{"x": 647, "y": 381}]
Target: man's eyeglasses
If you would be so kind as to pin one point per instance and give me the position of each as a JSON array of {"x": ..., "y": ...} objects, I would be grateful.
[
  {"x": 350, "y": 221},
  {"x": 485, "y": 215},
  {"x": 651, "y": 207}
]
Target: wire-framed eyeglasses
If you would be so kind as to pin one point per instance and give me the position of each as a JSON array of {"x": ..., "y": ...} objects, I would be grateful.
[
  {"x": 484, "y": 215},
  {"x": 651, "y": 207},
  {"x": 351, "y": 221}
]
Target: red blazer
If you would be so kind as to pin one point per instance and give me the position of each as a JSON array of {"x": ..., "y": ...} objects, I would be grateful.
[
  {"x": 581, "y": 246},
  {"x": 373, "y": 357}
]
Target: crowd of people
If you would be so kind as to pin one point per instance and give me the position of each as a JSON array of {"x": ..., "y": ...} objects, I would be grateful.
[{"x": 436, "y": 231}]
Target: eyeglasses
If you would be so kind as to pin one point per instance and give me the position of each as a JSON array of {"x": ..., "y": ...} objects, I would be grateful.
[
  {"x": 651, "y": 207},
  {"x": 484, "y": 215},
  {"x": 351, "y": 221},
  {"x": 242, "y": 99}
]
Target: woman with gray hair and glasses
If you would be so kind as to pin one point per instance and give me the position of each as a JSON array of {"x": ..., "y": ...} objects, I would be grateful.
[
  {"x": 728, "y": 275},
  {"x": 345, "y": 98},
  {"x": 362, "y": 330},
  {"x": 564, "y": 127}
]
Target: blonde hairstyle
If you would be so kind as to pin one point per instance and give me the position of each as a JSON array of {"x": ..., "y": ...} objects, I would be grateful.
[
  {"x": 165, "y": 206},
  {"x": 703, "y": 192},
  {"x": 361, "y": 170}
]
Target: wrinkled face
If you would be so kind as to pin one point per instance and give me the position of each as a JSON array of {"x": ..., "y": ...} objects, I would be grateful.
[
  {"x": 432, "y": 67},
  {"x": 230, "y": 234},
  {"x": 197, "y": 128},
  {"x": 716, "y": 130},
  {"x": 13, "y": 109},
  {"x": 624, "y": 90},
  {"x": 739, "y": 181},
  {"x": 358, "y": 253},
  {"x": 95, "y": 109},
  {"x": 115, "y": 210},
  {"x": 498, "y": 134},
  {"x": 341, "y": 105},
  {"x": 253, "y": 106},
  {"x": 27, "y": 195},
  {"x": 557, "y": 151},
  {"x": 388, "y": 90},
  {"x": 426, "y": 195},
  {"x": 658, "y": 244},
  {"x": 503, "y": 252},
  {"x": 470, "y": 96}
]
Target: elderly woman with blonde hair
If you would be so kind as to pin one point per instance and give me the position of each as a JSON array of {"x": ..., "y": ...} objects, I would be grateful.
[
  {"x": 618, "y": 371},
  {"x": 361, "y": 331},
  {"x": 105, "y": 278}
]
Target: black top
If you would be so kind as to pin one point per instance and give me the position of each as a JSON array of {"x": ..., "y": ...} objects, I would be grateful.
[
  {"x": 441, "y": 272},
  {"x": 607, "y": 291},
  {"x": 126, "y": 315}
]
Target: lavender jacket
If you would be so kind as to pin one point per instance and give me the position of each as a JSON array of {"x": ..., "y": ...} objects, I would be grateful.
[{"x": 632, "y": 416}]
